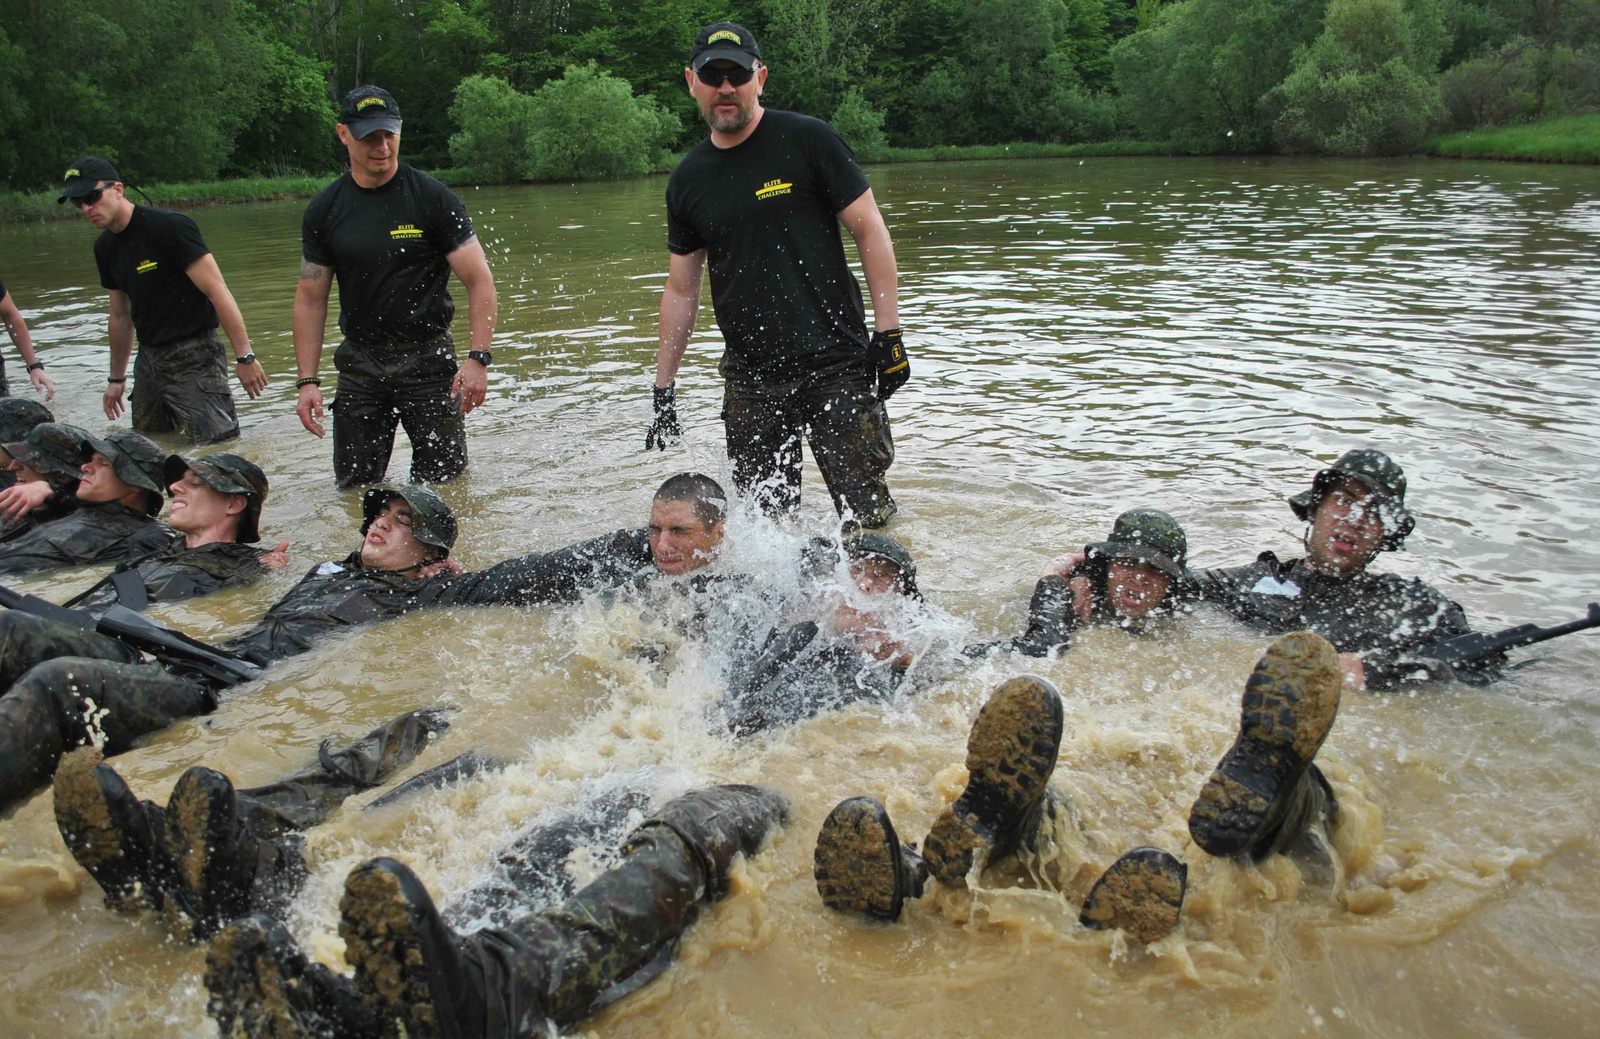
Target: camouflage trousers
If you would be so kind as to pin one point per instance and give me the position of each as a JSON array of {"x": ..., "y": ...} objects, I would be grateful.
[
  {"x": 381, "y": 387},
  {"x": 843, "y": 420},
  {"x": 65, "y": 687},
  {"x": 184, "y": 387},
  {"x": 565, "y": 963}
]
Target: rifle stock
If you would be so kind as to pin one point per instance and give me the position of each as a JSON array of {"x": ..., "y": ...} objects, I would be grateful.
[
  {"x": 14, "y": 600},
  {"x": 1466, "y": 651}
]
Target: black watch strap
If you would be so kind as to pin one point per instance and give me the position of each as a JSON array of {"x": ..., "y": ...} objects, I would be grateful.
[
  {"x": 37, "y": 366},
  {"x": 249, "y": 358},
  {"x": 483, "y": 357}
]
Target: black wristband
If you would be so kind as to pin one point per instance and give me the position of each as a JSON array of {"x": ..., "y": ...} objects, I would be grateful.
[
  {"x": 249, "y": 358},
  {"x": 36, "y": 366},
  {"x": 110, "y": 379},
  {"x": 483, "y": 357},
  {"x": 310, "y": 380}
]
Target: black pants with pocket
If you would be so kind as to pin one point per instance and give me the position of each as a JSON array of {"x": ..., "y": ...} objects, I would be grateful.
[
  {"x": 397, "y": 383},
  {"x": 184, "y": 387}
]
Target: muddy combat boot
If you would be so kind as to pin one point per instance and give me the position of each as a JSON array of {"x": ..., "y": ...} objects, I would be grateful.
[
  {"x": 112, "y": 834},
  {"x": 1048, "y": 623},
  {"x": 1262, "y": 789},
  {"x": 225, "y": 870},
  {"x": 1011, "y": 754},
  {"x": 263, "y": 987},
  {"x": 860, "y": 865},
  {"x": 558, "y": 966},
  {"x": 1142, "y": 894}
]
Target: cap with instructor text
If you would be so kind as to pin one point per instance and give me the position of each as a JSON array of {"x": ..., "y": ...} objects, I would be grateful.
[
  {"x": 724, "y": 41},
  {"x": 366, "y": 109},
  {"x": 85, "y": 175}
]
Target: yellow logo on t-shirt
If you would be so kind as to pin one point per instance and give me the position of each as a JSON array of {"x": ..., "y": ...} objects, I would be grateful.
[
  {"x": 406, "y": 231},
  {"x": 145, "y": 268},
  {"x": 772, "y": 189},
  {"x": 723, "y": 34}
]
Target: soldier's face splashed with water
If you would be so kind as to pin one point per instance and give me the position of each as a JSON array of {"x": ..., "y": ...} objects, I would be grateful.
[
  {"x": 1135, "y": 588},
  {"x": 1346, "y": 531},
  {"x": 680, "y": 542},
  {"x": 390, "y": 545}
]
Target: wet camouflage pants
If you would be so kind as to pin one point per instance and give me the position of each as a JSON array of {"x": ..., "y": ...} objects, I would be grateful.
[
  {"x": 565, "y": 963},
  {"x": 184, "y": 387},
  {"x": 846, "y": 425},
  {"x": 404, "y": 384},
  {"x": 65, "y": 687}
]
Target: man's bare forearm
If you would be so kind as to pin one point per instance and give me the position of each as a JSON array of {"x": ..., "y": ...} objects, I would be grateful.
[
  {"x": 678, "y": 313},
  {"x": 483, "y": 305},
  {"x": 310, "y": 316},
  {"x": 121, "y": 344},
  {"x": 883, "y": 276}
]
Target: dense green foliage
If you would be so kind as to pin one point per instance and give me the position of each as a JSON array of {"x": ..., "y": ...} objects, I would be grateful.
[{"x": 183, "y": 89}]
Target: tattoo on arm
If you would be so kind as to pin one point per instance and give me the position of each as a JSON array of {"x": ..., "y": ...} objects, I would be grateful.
[{"x": 314, "y": 271}]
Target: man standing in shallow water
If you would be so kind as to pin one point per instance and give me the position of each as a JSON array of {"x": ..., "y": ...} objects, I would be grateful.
[
  {"x": 761, "y": 200},
  {"x": 392, "y": 235},
  {"x": 166, "y": 287}
]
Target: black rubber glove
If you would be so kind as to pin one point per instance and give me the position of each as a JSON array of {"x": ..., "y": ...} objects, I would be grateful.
[
  {"x": 665, "y": 427},
  {"x": 889, "y": 357}
]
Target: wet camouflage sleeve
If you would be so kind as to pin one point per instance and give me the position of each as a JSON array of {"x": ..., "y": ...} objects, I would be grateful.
[{"x": 548, "y": 577}]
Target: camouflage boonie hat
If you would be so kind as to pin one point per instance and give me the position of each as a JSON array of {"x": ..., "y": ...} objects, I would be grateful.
[
  {"x": 1375, "y": 471},
  {"x": 432, "y": 522},
  {"x": 18, "y": 415},
  {"x": 138, "y": 461},
  {"x": 1146, "y": 536},
  {"x": 53, "y": 447},
  {"x": 872, "y": 545},
  {"x": 228, "y": 474}
]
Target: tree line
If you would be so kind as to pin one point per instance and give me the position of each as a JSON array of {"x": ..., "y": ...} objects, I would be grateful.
[{"x": 538, "y": 89}]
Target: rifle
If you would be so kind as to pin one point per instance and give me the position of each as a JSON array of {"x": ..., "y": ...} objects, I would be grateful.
[
  {"x": 168, "y": 645},
  {"x": 1477, "y": 650}
]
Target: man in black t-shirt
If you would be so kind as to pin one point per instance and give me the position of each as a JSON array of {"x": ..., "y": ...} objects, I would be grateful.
[
  {"x": 166, "y": 287},
  {"x": 17, "y": 329},
  {"x": 392, "y": 235},
  {"x": 761, "y": 200}
]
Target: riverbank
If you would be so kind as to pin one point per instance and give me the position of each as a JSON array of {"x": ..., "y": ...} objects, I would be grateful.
[{"x": 1574, "y": 138}]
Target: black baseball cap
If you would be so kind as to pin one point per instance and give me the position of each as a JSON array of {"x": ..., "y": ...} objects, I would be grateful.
[
  {"x": 227, "y": 474},
  {"x": 83, "y": 176},
  {"x": 366, "y": 109},
  {"x": 724, "y": 41}
]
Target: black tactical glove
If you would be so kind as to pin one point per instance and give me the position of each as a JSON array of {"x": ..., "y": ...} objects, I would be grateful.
[
  {"x": 889, "y": 357},
  {"x": 665, "y": 427}
]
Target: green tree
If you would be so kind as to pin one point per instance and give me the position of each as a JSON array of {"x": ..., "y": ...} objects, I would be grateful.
[
  {"x": 861, "y": 126},
  {"x": 589, "y": 124},
  {"x": 496, "y": 123}
]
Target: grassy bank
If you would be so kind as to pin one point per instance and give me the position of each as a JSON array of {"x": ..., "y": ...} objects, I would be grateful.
[
  {"x": 953, "y": 153},
  {"x": 1573, "y": 138},
  {"x": 23, "y": 207}
]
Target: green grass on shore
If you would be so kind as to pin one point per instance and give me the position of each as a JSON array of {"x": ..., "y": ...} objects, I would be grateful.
[
  {"x": 955, "y": 153},
  {"x": 26, "y": 207},
  {"x": 1573, "y": 138}
]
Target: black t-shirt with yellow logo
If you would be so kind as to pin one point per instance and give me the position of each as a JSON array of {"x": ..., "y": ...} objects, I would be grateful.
[
  {"x": 387, "y": 246},
  {"x": 766, "y": 211},
  {"x": 149, "y": 260}
]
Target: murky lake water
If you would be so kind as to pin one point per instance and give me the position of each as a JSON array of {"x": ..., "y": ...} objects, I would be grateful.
[{"x": 1195, "y": 335}]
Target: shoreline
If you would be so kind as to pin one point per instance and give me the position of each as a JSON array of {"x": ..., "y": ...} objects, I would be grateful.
[{"x": 1573, "y": 140}]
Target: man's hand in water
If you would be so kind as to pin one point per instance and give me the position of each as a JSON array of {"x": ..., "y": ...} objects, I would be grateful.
[
  {"x": 1354, "y": 672},
  {"x": 20, "y": 499},
  {"x": 277, "y": 559},
  {"x": 1061, "y": 566}
]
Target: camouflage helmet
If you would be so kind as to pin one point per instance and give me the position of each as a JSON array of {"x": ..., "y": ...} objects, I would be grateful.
[
  {"x": 1375, "y": 471},
  {"x": 870, "y": 544},
  {"x": 432, "y": 522},
  {"x": 53, "y": 447},
  {"x": 227, "y": 474},
  {"x": 18, "y": 415},
  {"x": 138, "y": 461},
  {"x": 1146, "y": 536}
]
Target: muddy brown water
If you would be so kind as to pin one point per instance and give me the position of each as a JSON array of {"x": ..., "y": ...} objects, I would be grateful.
[{"x": 1196, "y": 335}]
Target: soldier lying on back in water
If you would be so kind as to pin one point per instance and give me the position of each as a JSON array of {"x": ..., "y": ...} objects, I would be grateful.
[
  {"x": 119, "y": 497},
  {"x": 43, "y": 462},
  {"x": 1382, "y": 624},
  {"x": 402, "y": 565},
  {"x": 1263, "y": 797}
]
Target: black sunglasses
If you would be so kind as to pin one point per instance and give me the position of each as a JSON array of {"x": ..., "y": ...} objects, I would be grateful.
[
  {"x": 713, "y": 77},
  {"x": 87, "y": 200}
]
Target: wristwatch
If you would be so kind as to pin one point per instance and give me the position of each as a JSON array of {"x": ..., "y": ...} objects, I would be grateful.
[
  {"x": 483, "y": 357},
  {"x": 37, "y": 366},
  {"x": 249, "y": 358}
]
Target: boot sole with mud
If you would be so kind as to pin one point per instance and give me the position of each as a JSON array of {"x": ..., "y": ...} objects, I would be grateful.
[
  {"x": 855, "y": 861},
  {"x": 385, "y": 944},
  {"x": 1141, "y": 894},
  {"x": 258, "y": 985},
  {"x": 195, "y": 815},
  {"x": 1290, "y": 702},
  {"x": 85, "y": 818},
  {"x": 1011, "y": 754}
]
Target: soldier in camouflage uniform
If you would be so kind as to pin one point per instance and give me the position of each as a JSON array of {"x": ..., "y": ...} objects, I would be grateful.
[
  {"x": 119, "y": 498},
  {"x": 552, "y": 966},
  {"x": 45, "y": 464},
  {"x": 17, "y": 416},
  {"x": 1381, "y": 624},
  {"x": 217, "y": 508}
]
